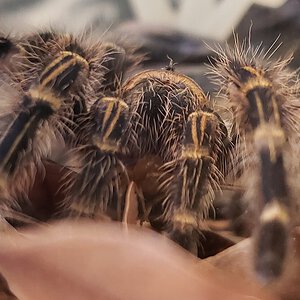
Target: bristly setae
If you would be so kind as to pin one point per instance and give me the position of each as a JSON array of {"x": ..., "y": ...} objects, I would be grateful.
[
  {"x": 58, "y": 76},
  {"x": 171, "y": 118},
  {"x": 263, "y": 97},
  {"x": 159, "y": 120},
  {"x": 160, "y": 102},
  {"x": 100, "y": 185},
  {"x": 156, "y": 128},
  {"x": 195, "y": 177}
]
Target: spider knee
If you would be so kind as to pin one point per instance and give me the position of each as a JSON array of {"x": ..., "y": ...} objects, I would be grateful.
[{"x": 184, "y": 221}]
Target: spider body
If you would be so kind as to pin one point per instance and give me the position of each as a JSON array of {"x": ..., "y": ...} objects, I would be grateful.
[
  {"x": 157, "y": 129},
  {"x": 161, "y": 118}
]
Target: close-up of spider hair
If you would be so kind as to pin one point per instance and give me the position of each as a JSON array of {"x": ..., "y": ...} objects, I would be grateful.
[
  {"x": 102, "y": 129},
  {"x": 56, "y": 77},
  {"x": 161, "y": 127},
  {"x": 157, "y": 129},
  {"x": 263, "y": 95}
]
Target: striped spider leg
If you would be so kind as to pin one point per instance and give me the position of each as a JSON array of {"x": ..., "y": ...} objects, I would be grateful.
[
  {"x": 59, "y": 76},
  {"x": 263, "y": 97}
]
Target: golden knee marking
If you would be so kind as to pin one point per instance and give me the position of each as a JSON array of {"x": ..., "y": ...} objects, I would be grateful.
[
  {"x": 184, "y": 219},
  {"x": 253, "y": 83},
  {"x": 275, "y": 211},
  {"x": 75, "y": 58},
  {"x": 44, "y": 94}
]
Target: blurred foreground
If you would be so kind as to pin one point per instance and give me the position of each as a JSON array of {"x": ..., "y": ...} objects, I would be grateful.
[{"x": 110, "y": 261}]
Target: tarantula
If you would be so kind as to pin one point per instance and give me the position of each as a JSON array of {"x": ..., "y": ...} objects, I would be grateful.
[
  {"x": 157, "y": 129},
  {"x": 72, "y": 91}
]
